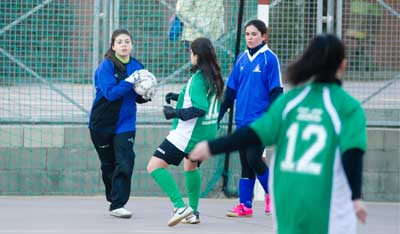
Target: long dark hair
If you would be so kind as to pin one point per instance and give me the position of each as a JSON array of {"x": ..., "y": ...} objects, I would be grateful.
[
  {"x": 320, "y": 61},
  {"x": 207, "y": 63},
  {"x": 110, "y": 54}
]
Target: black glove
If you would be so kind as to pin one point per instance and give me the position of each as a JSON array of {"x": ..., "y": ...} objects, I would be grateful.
[
  {"x": 171, "y": 96},
  {"x": 141, "y": 100},
  {"x": 170, "y": 112}
]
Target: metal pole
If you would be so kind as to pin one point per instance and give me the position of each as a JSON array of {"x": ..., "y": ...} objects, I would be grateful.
[
  {"x": 329, "y": 17},
  {"x": 105, "y": 23},
  {"x": 116, "y": 14},
  {"x": 263, "y": 11},
  {"x": 339, "y": 18},
  {"x": 300, "y": 27},
  {"x": 96, "y": 34},
  {"x": 319, "y": 16},
  {"x": 111, "y": 15},
  {"x": 230, "y": 123}
]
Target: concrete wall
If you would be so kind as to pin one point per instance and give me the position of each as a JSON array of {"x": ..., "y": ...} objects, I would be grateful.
[
  {"x": 381, "y": 181},
  {"x": 60, "y": 160}
]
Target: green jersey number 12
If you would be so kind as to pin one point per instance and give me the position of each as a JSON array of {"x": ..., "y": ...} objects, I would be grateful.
[{"x": 305, "y": 163}]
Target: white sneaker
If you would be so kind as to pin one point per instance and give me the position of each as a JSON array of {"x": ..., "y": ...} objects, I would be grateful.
[
  {"x": 178, "y": 214},
  {"x": 121, "y": 213},
  {"x": 192, "y": 219}
]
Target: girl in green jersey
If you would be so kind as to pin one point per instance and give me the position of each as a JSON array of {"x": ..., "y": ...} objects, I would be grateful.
[
  {"x": 320, "y": 135},
  {"x": 194, "y": 119}
]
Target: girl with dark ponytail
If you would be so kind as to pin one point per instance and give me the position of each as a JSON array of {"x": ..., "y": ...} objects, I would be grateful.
[
  {"x": 194, "y": 119},
  {"x": 207, "y": 63},
  {"x": 319, "y": 62},
  {"x": 319, "y": 133}
]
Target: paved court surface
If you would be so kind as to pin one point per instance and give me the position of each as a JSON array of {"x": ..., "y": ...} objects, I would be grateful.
[{"x": 61, "y": 215}]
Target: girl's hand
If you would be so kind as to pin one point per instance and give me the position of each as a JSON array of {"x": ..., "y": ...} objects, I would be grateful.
[
  {"x": 133, "y": 78},
  {"x": 361, "y": 211}
]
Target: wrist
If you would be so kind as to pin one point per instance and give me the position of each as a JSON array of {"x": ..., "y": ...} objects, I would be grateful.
[
  {"x": 178, "y": 113},
  {"x": 359, "y": 203}
]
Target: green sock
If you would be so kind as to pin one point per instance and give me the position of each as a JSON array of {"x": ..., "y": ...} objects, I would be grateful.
[
  {"x": 167, "y": 183},
  {"x": 193, "y": 183}
]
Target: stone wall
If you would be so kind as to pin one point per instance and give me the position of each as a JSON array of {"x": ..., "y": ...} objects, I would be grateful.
[{"x": 60, "y": 160}]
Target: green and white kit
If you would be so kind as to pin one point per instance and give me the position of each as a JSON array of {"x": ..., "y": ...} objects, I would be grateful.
[
  {"x": 186, "y": 134},
  {"x": 309, "y": 187}
]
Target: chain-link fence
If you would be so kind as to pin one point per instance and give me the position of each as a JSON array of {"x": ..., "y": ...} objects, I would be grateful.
[{"x": 50, "y": 48}]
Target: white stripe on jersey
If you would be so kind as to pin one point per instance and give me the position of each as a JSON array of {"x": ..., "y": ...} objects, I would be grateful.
[
  {"x": 342, "y": 219},
  {"x": 331, "y": 110},
  {"x": 295, "y": 101},
  {"x": 279, "y": 66},
  {"x": 261, "y": 50},
  {"x": 180, "y": 136}
]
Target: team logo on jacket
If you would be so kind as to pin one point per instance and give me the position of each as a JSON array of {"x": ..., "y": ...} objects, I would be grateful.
[
  {"x": 133, "y": 142},
  {"x": 257, "y": 68}
]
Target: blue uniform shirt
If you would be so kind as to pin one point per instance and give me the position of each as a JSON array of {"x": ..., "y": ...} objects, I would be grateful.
[
  {"x": 114, "y": 107},
  {"x": 252, "y": 79}
]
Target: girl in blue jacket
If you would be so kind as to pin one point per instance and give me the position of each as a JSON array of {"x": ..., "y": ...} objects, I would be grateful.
[{"x": 113, "y": 120}]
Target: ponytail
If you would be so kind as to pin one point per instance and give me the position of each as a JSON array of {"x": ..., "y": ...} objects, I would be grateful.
[
  {"x": 319, "y": 62},
  {"x": 110, "y": 54}
]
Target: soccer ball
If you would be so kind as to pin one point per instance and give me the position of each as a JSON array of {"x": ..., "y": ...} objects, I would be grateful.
[{"x": 146, "y": 83}]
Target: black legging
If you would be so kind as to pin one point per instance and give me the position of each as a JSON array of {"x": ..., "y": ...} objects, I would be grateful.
[
  {"x": 251, "y": 161},
  {"x": 117, "y": 160}
]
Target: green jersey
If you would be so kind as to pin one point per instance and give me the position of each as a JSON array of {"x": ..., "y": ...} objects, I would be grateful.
[
  {"x": 312, "y": 126},
  {"x": 186, "y": 134}
]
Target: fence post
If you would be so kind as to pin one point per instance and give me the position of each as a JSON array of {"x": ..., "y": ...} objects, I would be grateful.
[
  {"x": 320, "y": 8},
  {"x": 263, "y": 11},
  {"x": 339, "y": 16},
  {"x": 96, "y": 35},
  {"x": 115, "y": 16},
  {"x": 330, "y": 16},
  {"x": 106, "y": 24}
]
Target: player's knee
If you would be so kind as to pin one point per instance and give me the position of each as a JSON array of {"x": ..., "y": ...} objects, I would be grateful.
[{"x": 151, "y": 166}]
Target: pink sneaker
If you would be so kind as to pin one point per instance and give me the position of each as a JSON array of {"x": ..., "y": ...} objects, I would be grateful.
[
  {"x": 268, "y": 208},
  {"x": 240, "y": 211}
]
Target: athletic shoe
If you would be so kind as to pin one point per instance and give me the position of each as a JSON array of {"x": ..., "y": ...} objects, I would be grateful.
[
  {"x": 121, "y": 213},
  {"x": 240, "y": 211},
  {"x": 192, "y": 219},
  {"x": 178, "y": 214},
  {"x": 268, "y": 208}
]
